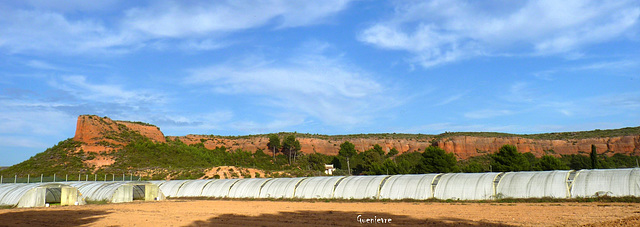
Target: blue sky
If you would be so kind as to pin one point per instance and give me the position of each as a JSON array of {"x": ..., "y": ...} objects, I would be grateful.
[{"x": 327, "y": 67}]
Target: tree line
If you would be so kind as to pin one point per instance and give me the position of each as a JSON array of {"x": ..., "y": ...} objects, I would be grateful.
[{"x": 177, "y": 159}]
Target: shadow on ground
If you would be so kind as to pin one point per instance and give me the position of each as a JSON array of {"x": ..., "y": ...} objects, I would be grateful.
[
  {"x": 51, "y": 217},
  {"x": 332, "y": 218}
]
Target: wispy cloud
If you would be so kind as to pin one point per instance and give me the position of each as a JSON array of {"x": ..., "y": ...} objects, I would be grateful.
[
  {"x": 44, "y": 28},
  {"x": 80, "y": 87},
  {"x": 437, "y": 32},
  {"x": 176, "y": 19},
  {"x": 451, "y": 99},
  {"x": 43, "y": 65},
  {"x": 619, "y": 67},
  {"x": 312, "y": 85}
]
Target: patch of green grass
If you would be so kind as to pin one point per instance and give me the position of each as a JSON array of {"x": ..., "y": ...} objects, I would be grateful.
[{"x": 6, "y": 207}]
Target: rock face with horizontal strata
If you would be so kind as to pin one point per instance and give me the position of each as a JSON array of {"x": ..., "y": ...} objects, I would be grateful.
[{"x": 92, "y": 130}]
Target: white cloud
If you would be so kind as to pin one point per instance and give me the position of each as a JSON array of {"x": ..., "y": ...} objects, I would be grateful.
[
  {"x": 623, "y": 67},
  {"x": 436, "y": 32},
  {"x": 313, "y": 85},
  {"x": 176, "y": 19},
  {"x": 25, "y": 31},
  {"x": 78, "y": 86},
  {"x": 42, "y": 65},
  {"x": 47, "y": 27},
  {"x": 451, "y": 99},
  {"x": 201, "y": 123}
]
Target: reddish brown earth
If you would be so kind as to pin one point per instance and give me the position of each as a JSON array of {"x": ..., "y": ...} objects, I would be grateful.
[
  {"x": 318, "y": 213},
  {"x": 92, "y": 130}
]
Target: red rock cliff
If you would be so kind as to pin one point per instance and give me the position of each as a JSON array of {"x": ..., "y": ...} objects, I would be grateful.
[{"x": 95, "y": 132}]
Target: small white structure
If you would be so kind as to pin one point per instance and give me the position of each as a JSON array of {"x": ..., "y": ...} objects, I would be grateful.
[{"x": 328, "y": 169}]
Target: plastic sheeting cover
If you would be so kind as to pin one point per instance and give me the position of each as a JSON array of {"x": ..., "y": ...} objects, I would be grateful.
[
  {"x": 11, "y": 194},
  {"x": 280, "y": 188},
  {"x": 218, "y": 188},
  {"x": 466, "y": 186},
  {"x": 611, "y": 182},
  {"x": 317, "y": 187},
  {"x": 170, "y": 188},
  {"x": 99, "y": 190},
  {"x": 536, "y": 184},
  {"x": 408, "y": 187},
  {"x": 247, "y": 188},
  {"x": 359, "y": 187},
  {"x": 192, "y": 188}
]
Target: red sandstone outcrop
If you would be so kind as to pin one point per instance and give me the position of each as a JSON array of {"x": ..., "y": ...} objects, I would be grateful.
[
  {"x": 101, "y": 135},
  {"x": 468, "y": 146},
  {"x": 95, "y": 132},
  {"x": 93, "y": 129}
]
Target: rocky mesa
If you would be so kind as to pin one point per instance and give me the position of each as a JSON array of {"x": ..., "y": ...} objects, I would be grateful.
[{"x": 101, "y": 134}]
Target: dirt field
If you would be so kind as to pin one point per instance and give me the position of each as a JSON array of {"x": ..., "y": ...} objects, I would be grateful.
[{"x": 288, "y": 213}]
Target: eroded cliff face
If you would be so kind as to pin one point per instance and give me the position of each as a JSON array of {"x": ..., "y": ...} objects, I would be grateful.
[
  {"x": 468, "y": 146},
  {"x": 462, "y": 146},
  {"x": 102, "y": 135},
  {"x": 308, "y": 145}
]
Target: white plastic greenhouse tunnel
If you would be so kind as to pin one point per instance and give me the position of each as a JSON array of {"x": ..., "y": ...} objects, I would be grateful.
[
  {"x": 119, "y": 191},
  {"x": 359, "y": 187},
  {"x": 609, "y": 182},
  {"x": 170, "y": 188},
  {"x": 247, "y": 188},
  {"x": 466, "y": 186},
  {"x": 218, "y": 188},
  {"x": 535, "y": 184},
  {"x": 280, "y": 187},
  {"x": 38, "y": 194},
  {"x": 414, "y": 186},
  {"x": 455, "y": 186},
  {"x": 317, "y": 187}
]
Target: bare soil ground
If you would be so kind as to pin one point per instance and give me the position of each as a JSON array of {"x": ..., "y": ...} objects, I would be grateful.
[{"x": 320, "y": 213}]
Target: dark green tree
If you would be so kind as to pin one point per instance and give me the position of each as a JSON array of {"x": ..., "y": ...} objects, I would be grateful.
[
  {"x": 392, "y": 152},
  {"x": 577, "y": 161},
  {"x": 531, "y": 158},
  {"x": 408, "y": 162},
  {"x": 472, "y": 167},
  {"x": 549, "y": 162},
  {"x": 378, "y": 149},
  {"x": 347, "y": 150},
  {"x": 274, "y": 144},
  {"x": 594, "y": 157},
  {"x": 371, "y": 161},
  {"x": 509, "y": 159},
  {"x": 292, "y": 146},
  {"x": 437, "y": 160}
]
